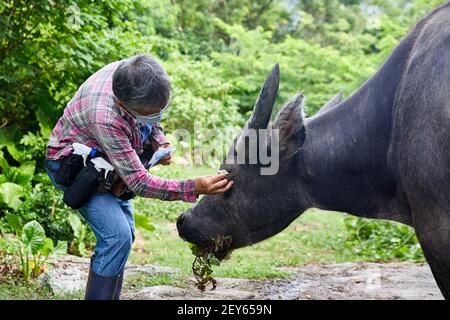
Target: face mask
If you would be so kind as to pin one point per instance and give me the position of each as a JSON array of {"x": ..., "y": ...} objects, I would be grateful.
[{"x": 148, "y": 120}]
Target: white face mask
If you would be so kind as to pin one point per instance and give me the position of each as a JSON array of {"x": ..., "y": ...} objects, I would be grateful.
[{"x": 148, "y": 120}]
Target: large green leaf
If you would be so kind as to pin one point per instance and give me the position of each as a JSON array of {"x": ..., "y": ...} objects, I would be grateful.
[
  {"x": 19, "y": 175},
  {"x": 10, "y": 194},
  {"x": 61, "y": 248},
  {"x": 142, "y": 221},
  {"x": 33, "y": 235},
  {"x": 48, "y": 247},
  {"x": 79, "y": 230},
  {"x": 15, "y": 223},
  {"x": 3, "y": 163},
  {"x": 25, "y": 173},
  {"x": 9, "y": 138},
  {"x": 82, "y": 249}
]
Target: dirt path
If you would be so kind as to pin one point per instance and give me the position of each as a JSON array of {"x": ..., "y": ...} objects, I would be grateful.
[
  {"x": 324, "y": 281},
  {"x": 372, "y": 281},
  {"x": 318, "y": 281}
]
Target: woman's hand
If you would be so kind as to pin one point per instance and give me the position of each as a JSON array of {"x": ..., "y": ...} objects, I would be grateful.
[
  {"x": 213, "y": 184},
  {"x": 167, "y": 159}
]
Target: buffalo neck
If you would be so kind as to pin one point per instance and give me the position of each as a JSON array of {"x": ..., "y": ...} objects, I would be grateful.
[{"x": 344, "y": 160}]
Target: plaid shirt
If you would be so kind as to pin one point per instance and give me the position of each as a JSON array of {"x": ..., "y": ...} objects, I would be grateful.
[{"x": 93, "y": 118}]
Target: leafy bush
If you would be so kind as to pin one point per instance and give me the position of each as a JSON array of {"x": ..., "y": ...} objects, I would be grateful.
[{"x": 381, "y": 240}]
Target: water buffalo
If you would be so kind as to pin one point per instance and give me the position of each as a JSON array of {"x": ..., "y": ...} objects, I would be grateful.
[{"x": 382, "y": 153}]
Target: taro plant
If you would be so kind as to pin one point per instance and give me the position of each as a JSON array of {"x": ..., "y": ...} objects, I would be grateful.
[{"x": 33, "y": 246}]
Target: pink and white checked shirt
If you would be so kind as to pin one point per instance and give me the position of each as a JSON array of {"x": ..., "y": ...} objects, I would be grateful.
[{"x": 93, "y": 118}]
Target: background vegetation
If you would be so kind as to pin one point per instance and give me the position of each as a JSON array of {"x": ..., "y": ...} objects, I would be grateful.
[{"x": 217, "y": 53}]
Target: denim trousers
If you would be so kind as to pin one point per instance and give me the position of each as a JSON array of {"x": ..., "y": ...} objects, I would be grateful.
[{"x": 112, "y": 221}]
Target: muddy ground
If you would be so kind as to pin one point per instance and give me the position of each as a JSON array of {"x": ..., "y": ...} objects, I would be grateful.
[
  {"x": 317, "y": 281},
  {"x": 391, "y": 281}
]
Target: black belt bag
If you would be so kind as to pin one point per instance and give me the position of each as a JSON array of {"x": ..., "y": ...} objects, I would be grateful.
[
  {"x": 84, "y": 186},
  {"x": 69, "y": 169},
  {"x": 81, "y": 181}
]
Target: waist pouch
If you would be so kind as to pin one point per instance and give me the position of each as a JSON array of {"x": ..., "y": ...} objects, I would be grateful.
[
  {"x": 83, "y": 187},
  {"x": 81, "y": 181},
  {"x": 69, "y": 169}
]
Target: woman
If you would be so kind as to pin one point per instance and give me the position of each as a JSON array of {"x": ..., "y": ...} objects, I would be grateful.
[{"x": 117, "y": 111}]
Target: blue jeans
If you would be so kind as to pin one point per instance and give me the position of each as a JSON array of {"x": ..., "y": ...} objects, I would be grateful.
[{"x": 112, "y": 221}]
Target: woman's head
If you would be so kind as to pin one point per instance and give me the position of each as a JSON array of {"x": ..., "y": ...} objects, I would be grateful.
[{"x": 142, "y": 84}]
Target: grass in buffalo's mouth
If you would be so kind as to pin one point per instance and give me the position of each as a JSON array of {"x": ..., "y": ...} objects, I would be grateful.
[{"x": 206, "y": 258}]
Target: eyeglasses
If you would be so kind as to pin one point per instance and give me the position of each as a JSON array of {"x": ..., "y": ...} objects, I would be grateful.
[{"x": 151, "y": 116}]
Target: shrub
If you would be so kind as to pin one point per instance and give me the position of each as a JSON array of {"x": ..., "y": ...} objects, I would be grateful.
[{"x": 381, "y": 240}]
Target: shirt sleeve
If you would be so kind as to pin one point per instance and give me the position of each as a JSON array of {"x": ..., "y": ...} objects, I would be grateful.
[
  {"x": 157, "y": 134},
  {"x": 115, "y": 142}
]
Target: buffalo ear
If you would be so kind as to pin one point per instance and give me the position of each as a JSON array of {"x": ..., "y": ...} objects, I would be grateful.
[
  {"x": 331, "y": 104},
  {"x": 291, "y": 128}
]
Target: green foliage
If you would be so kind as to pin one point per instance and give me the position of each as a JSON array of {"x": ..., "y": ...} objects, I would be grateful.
[
  {"x": 41, "y": 202},
  {"x": 143, "y": 222},
  {"x": 32, "y": 246},
  {"x": 217, "y": 53},
  {"x": 381, "y": 240},
  {"x": 317, "y": 71},
  {"x": 10, "y": 194},
  {"x": 82, "y": 236},
  {"x": 206, "y": 258}
]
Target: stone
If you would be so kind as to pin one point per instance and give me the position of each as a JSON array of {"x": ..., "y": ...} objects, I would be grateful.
[{"x": 68, "y": 274}]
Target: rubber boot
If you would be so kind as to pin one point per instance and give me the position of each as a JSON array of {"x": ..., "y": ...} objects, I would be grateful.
[
  {"x": 119, "y": 287},
  {"x": 103, "y": 288}
]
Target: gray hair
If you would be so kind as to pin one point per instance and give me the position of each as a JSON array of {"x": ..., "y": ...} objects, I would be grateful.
[{"x": 141, "y": 83}]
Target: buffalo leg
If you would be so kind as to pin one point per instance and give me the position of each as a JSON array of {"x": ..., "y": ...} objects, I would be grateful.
[{"x": 434, "y": 237}]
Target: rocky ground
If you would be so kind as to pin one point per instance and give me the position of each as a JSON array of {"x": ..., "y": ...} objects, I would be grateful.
[{"x": 318, "y": 281}]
